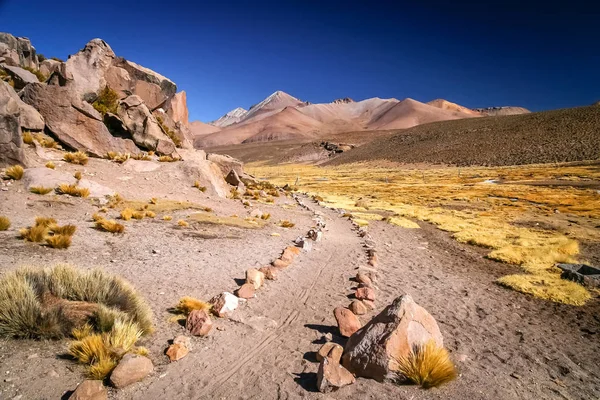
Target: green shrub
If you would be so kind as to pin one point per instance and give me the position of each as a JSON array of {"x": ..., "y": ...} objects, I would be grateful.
[{"x": 107, "y": 101}]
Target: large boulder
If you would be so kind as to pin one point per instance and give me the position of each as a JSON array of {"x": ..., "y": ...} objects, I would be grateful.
[
  {"x": 21, "y": 77},
  {"x": 17, "y": 51},
  {"x": 227, "y": 164},
  {"x": 372, "y": 350},
  {"x": 29, "y": 118},
  {"x": 197, "y": 167},
  {"x": 177, "y": 108},
  {"x": 75, "y": 123},
  {"x": 48, "y": 66},
  {"x": 181, "y": 133},
  {"x": 130, "y": 78},
  {"x": 143, "y": 126},
  {"x": 11, "y": 142}
]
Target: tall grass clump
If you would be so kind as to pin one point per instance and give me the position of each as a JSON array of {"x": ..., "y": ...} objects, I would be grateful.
[
  {"x": 40, "y": 190},
  {"x": 78, "y": 157},
  {"x": 107, "y": 101},
  {"x": 188, "y": 304},
  {"x": 15, "y": 172},
  {"x": 4, "y": 223},
  {"x": 72, "y": 190},
  {"x": 50, "y": 165},
  {"x": 427, "y": 365}
]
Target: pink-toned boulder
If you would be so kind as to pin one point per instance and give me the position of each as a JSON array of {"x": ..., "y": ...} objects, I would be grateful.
[
  {"x": 177, "y": 108},
  {"x": 90, "y": 390},
  {"x": 373, "y": 260},
  {"x": 246, "y": 291},
  {"x": 279, "y": 263},
  {"x": 332, "y": 376},
  {"x": 289, "y": 254},
  {"x": 365, "y": 293},
  {"x": 358, "y": 307},
  {"x": 347, "y": 322},
  {"x": 371, "y": 351},
  {"x": 369, "y": 304},
  {"x": 131, "y": 369},
  {"x": 224, "y": 304},
  {"x": 177, "y": 351},
  {"x": 199, "y": 323},
  {"x": 255, "y": 277},
  {"x": 270, "y": 272},
  {"x": 332, "y": 350},
  {"x": 362, "y": 277}
]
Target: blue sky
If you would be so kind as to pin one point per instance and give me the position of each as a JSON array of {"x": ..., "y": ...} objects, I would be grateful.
[{"x": 236, "y": 53}]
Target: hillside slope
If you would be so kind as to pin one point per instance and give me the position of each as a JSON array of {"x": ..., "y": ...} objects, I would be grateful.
[{"x": 551, "y": 136}]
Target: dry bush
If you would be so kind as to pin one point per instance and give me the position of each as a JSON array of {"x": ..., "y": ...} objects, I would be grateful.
[
  {"x": 78, "y": 157},
  {"x": 62, "y": 230},
  {"x": 103, "y": 210},
  {"x": 40, "y": 189},
  {"x": 126, "y": 214},
  {"x": 167, "y": 218},
  {"x": 114, "y": 201},
  {"x": 150, "y": 214},
  {"x": 50, "y": 165},
  {"x": 4, "y": 223},
  {"x": 44, "y": 221},
  {"x": 286, "y": 224},
  {"x": 200, "y": 187},
  {"x": 15, "y": 172},
  {"x": 27, "y": 137},
  {"x": 168, "y": 159},
  {"x": 182, "y": 223},
  {"x": 246, "y": 203},
  {"x": 269, "y": 200},
  {"x": 265, "y": 216},
  {"x": 427, "y": 365},
  {"x": 45, "y": 141},
  {"x": 111, "y": 226},
  {"x": 188, "y": 304},
  {"x": 77, "y": 175},
  {"x": 72, "y": 190},
  {"x": 154, "y": 200},
  {"x": 138, "y": 215},
  {"x": 60, "y": 241},
  {"x": 97, "y": 217},
  {"x": 34, "y": 234},
  {"x": 119, "y": 158},
  {"x": 141, "y": 157}
]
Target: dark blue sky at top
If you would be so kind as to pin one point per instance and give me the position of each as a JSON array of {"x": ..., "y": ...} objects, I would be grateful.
[{"x": 229, "y": 54}]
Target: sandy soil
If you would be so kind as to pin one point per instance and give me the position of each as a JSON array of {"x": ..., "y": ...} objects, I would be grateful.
[{"x": 512, "y": 346}]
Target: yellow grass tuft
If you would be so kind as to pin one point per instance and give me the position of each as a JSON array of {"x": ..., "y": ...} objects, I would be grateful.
[
  {"x": 150, "y": 214},
  {"x": 72, "y": 190},
  {"x": 46, "y": 141},
  {"x": 265, "y": 216},
  {"x": 77, "y": 175},
  {"x": 403, "y": 222},
  {"x": 97, "y": 217},
  {"x": 427, "y": 365},
  {"x": 547, "y": 286},
  {"x": 4, "y": 223},
  {"x": 78, "y": 157},
  {"x": 44, "y": 221},
  {"x": 127, "y": 214},
  {"x": 50, "y": 165},
  {"x": 235, "y": 221},
  {"x": 62, "y": 230},
  {"x": 27, "y": 137},
  {"x": 34, "y": 233},
  {"x": 40, "y": 189},
  {"x": 154, "y": 200},
  {"x": 286, "y": 224},
  {"x": 15, "y": 172},
  {"x": 167, "y": 218},
  {"x": 199, "y": 186},
  {"x": 141, "y": 351},
  {"x": 82, "y": 331},
  {"x": 60, "y": 241},
  {"x": 168, "y": 159},
  {"x": 111, "y": 226},
  {"x": 188, "y": 304},
  {"x": 138, "y": 215},
  {"x": 182, "y": 223},
  {"x": 141, "y": 157}
]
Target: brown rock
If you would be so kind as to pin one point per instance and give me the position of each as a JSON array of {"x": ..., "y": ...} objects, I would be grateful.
[
  {"x": 177, "y": 351},
  {"x": 48, "y": 66},
  {"x": 17, "y": 51},
  {"x": 246, "y": 291},
  {"x": 208, "y": 173},
  {"x": 374, "y": 260},
  {"x": 358, "y": 307},
  {"x": 177, "y": 108},
  {"x": 369, "y": 304},
  {"x": 29, "y": 118},
  {"x": 11, "y": 143},
  {"x": 365, "y": 293},
  {"x": 362, "y": 277},
  {"x": 393, "y": 333},
  {"x": 198, "y": 323},
  {"x": 21, "y": 77},
  {"x": 74, "y": 123},
  {"x": 132, "y": 368},
  {"x": 183, "y": 340},
  {"x": 270, "y": 272},
  {"x": 279, "y": 263},
  {"x": 90, "y": 390},
  {"x": 332, "y": 350},
  {"x": 180, "y": 131},
  {"x": 347, "y": 322},
  {"x": 332, "y": 376},
  {"x": 233, "y": 178},
  {"x": 224, "y": 304},
  {"x": 289, "y": 254},
  {"x": 255, "y": 277}
]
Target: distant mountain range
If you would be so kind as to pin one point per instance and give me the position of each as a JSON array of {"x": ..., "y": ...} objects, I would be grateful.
[{"x": 284, "y": 117}]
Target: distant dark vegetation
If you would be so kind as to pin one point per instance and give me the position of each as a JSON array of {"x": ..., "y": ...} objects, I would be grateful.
[{"x": 545, "y": 137}]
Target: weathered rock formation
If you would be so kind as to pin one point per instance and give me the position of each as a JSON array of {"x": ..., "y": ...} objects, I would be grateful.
[
  {"x": 20, "y": 76},
  {"x": 11, "y": 143},
  {"x": 29, "y": 118},
  {"x": 17, "y": 51}
]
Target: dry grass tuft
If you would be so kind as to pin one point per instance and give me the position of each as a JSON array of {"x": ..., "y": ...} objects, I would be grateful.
[
  {"x": 119, "y": 158},
  {"x": 63, "y": 230},
  {"x": 46, "y": 141},
  {"x": 167, "y": 218},
  {"x": 15, "y": 172},
  {"x": 286, "y": 224},
  {"x": 188, "y": 304},
  {"x": 50, "y": 165},
  {"x": 547, "y": 286},
  {"x": 34, "y": 234},
  {"x": 60, "y": 241},
  {"x": 77, "y": 175},
  {"x": 427, "y": 365},
  {"x": 168, "y": 159},
  {"x": 138, "y": 215},
  {"x": 154, "y": 200},
  {"x": 97, "y": 217},
  {"x": 150, "y": 214},
  {"x": 182, "y": 223},
  {"x": 127, "y": 214},
  {"x": 27, "y": 137},
  {"x": 265, "y": 216},
  {"x": 78, "y": 157},
  {"x": 40, "y": 189},
  {"x": 4, "y": 223},
  {"x": 72, "y": 190},
  {"x": 111, "y": 226},
  {"x": 200, "y": 187},
  {"x": 44, "y": 221},
  {"x": 142, "y": 157}
]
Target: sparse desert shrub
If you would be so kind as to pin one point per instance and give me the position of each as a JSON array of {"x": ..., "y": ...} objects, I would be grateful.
[
  {"x": 154, "y": 200},
  {"x": 265, "y": 216},
  {"x": 138, "y": 215},
  {"x": 41, "y": 57},
  {"x": 50, "y": 165},
  {"x": 40, "y": 189},
  {"x": 188, "y": 304},
  {"x": 286, "y": 224},
  {"x": 273, "y": 192},
  {"x": 141, "y": 156},
  {"x": 127, "y": 214},
  {"x": 60, "y": 241},
  {"x": 68, "y": 230},
  {"x": 44, "y": 221},
  {"x": 182, "y": 223},
  {"x": 235, "y": 194},
  {"x": 107, "y": 101},
  {"x": 246, "y": 203},
  {"x": 167, "y": 218},
  {"x": 269, "y": 200},
  {"x": 4, "y": 223},
  {"x": 119, "y": 158},
  {"x": 38, "y": 74},
  {"x": 150, "y": 214},
  {"x": 45, "y": 141},
  {"x": 114, "y": 200},
  {"x": 103, "y": 210},
  {"x": 200, "y": 187},
  {"x": 77, "y": 175},
  {"x": 27, "y": 137},
  {"x": 361, "y": 204},
  {"x": 15, "y": 172},
  {"x": 111, "y": 226},
  {"x": 97, "y": 217},
  {"x": 427, "y": 365},
  {"x": 317, "y": 198},
  {"x": 168, "y": 159},
  {"x": 78, "y": 157},
  {"x": 171, "y": 134},
  {"x": 72, "y": 190},
  {"x": 36, "y": 233}
]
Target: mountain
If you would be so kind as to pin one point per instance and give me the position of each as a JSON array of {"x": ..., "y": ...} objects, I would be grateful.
[
  {"x": 448, "y": 105},
  {"x": 199, "y": 128},
  {"x": 230, "y": 118},
  {"x": 272, "y": 104},
  {"x": 494, "y": 111}
]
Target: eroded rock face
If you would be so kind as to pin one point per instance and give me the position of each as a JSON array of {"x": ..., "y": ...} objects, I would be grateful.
[
  {"x": 21, "y": 77},
  {"x": 11, "y": 142},
  {"x": 86, "y": 69},
  {"x": 17, "y": 51},
  {"x": 180, "y": 131},
  {"x": 227, "y": 163},
  {"x": 403, "y": 324},
  {"x": 75, "y": 123},
  {"x": 197, "y": 167},
  {"x": 177, "y": 108},
  {"x": 29, "y": 118},
  {"x": 143, "y": 126},
  {"x": 48, "y": 66},
  {"x": 131, "y": 369}
]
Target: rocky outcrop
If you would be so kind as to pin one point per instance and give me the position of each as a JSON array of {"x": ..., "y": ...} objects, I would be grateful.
[
  {"x": 143, "y": 126},
  {"x": 29, "y": 118},
  {"x": 177, "y": 108},
  {"x": 372, "y": 350},
  {"x": 181, "y": 134},
  {"x": 21, "y": 77},
  {"x": 11, "y": 143},
  {"x": 17, "y": 51},
  {"x": 75, "y": 123},
  {"x": 85, "y": 71},
  {"x": 227, "y": 164},
  {"x": 48, "y": 66},
  {"x": 197, "y": 167}
]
